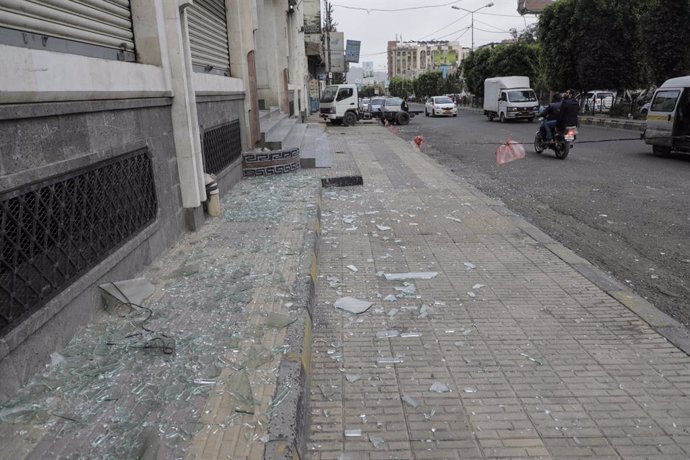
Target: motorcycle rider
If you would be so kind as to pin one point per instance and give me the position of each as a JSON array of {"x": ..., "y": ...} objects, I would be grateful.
[
  {"x": 550, "y": 115},
  {"x": 569, "y": 110}
]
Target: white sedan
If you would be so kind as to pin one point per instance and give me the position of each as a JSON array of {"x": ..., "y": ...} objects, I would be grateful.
[{"x": 440, "y": 105}]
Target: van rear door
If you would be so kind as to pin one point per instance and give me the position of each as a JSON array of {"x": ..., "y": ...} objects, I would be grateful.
[{"x": 662, "y": 117}]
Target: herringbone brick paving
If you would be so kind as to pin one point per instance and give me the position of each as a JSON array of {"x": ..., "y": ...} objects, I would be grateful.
[{"x": 539, "y": 361}]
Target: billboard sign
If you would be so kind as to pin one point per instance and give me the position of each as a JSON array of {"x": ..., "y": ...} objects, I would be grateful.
[
  {"x": 352, "y": 50},
  {"x": 337, "y": 52},
  {"x": 312, "y": 16}
]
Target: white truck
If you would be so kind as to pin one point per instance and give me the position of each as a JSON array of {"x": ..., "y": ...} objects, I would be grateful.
[
  {"x": 340, "y": 104},
  {"x": 509, "y": 98}
]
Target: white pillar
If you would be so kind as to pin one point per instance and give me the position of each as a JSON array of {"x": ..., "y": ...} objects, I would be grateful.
[{"x": 184, "y": 116}]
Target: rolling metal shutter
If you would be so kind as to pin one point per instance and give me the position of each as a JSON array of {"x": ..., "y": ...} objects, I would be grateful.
[
  {"x": 92, "y": 24},
  {"x": 208, "y": 36}
]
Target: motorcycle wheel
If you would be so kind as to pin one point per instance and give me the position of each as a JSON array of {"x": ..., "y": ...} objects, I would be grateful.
[
  {"x": 538, "y": 143},
  {"x": 562, "y": 148}
]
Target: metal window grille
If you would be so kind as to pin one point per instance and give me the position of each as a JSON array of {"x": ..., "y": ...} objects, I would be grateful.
[
  {"x": 53, "y": 231},
  {"x": 221, "y": 146}
]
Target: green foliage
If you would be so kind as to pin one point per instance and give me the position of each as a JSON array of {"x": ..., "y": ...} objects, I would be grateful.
[
  {"x": 477, "y": 68},
  {"x": 400, "y": 87},
  {"x": 519, "y": 58},
  {"x": 664, "y": 38},
  {"x": 429, "y": 84},
  {"x": 366, "y": 91},
  {"x": 558, "y": 49}
]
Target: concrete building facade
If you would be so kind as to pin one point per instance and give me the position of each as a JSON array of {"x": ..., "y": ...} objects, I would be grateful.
[
  {"x": 111, "y": 114},
  {"x": 411, "y": 59}
]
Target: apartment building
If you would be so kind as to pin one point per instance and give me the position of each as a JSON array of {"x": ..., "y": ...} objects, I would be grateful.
[{"x": 411, "y": 59}]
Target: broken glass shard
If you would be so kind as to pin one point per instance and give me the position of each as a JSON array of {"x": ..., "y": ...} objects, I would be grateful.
[
  {"x": 409, "y": 335},
  {"x": 477, "y": 286},
  {"x": 410, "y": 275},
  {"x": 352, "y": 268},
  {"x": 470, "y": 390},
  {"x": 410, "y": 289},
  {"x": 353, "y": 433},
  {"x": 410, "y": 401},
  {"x": 327, "y": 390},
  {"x": 383, "y": 228},
  {"x": 352, "y": 378},
  {"x": 390, "y": 298},
  {"x": 240, "y": 389},
  {"x": 453, "y": 218},
  {"x": 439, "y": 387},
  {"x": 534, "y": 360},
  {"x": 376, "y": 441},
  {"x": 392, "y": 312},
  {"x": 471, "y": 294},
  {"x": 394, "y": 360},
  {"x": 279, "y": 320},
  {"x": 424, "y": 311},
  {"x": 352, "y": 305},
  {"x": 387, "y": 334},
  {"x": 470, "y": 266}
]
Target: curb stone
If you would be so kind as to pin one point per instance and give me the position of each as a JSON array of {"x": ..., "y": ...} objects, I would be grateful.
[{"x": 288, "y": 425}]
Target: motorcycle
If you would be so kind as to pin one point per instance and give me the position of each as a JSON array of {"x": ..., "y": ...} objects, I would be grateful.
[{"x": 563, "y": 141}]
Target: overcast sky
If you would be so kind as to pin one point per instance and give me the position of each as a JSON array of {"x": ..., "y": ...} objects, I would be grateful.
[{"x": 425, "y": 20}]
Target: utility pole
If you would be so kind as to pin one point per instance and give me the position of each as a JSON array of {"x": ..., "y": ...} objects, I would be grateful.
[
  {"x": 327, "y": 27},
  {"x": 489, "y": 5}
]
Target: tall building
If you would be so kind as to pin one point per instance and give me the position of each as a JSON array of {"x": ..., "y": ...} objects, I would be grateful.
[{"x": 411, "y": 59}]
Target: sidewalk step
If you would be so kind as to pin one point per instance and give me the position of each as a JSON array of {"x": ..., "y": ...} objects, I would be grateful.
[
  {"x": 269, "y": 119},
  {"x": 296, "y": 136},
  {"x": 276, "y": 136},
  {"x": 315, "y": 150}
]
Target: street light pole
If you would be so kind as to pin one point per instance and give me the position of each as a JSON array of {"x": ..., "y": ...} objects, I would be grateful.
[{"x": 488, "y": 5}]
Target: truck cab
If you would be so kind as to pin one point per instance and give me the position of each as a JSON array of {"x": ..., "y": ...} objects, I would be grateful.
[
  {"x": 339, "y": 104},
  {"x": 510, "y": 98}
]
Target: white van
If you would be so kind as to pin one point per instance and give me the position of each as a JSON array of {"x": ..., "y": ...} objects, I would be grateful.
[{"x": 668, "y": 120}]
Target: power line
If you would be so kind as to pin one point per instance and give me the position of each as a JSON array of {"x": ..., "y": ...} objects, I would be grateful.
[
  {"x": 384, "y": 10},
  {"x": 444, "y": 27}
]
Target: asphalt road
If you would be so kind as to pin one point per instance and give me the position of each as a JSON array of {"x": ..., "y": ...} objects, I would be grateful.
[{"x": 611, "y": 201}]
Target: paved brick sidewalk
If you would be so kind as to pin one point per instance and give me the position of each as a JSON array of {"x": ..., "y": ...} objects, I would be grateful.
[{"x": 538, "y": 360}]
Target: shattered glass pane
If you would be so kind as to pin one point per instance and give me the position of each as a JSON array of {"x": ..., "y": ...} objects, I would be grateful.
[
  {"x": 387, "y": 334},
  {"x": 439, "y": 387},
  {"x": 410, "y": 275},
  {"x": 376, "y": 441},
  {"x": 410, "y": 401},
  {"x": 352, "y": 305}
]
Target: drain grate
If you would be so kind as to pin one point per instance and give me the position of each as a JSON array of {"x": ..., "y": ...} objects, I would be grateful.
[
  {"x": 345, "y": 181},
  {"x": 53, "y": 231},
  {"x": 221, "y": 146}
]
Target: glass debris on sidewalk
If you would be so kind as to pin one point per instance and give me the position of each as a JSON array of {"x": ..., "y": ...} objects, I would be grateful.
[
  {"x": 194, "y": 338},
  {"x": 353, "y": 305},
  {"x": 438, "y": 387},
  {"x": 534, "y": 360},
  {"x": 410, "y": 276}
]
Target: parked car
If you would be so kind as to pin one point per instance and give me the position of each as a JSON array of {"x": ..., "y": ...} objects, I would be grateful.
[
  {"x": 375, "y": 106},
  {"x": 440, "y": 106},
  {"x": 645, "y": 110},
  {"x": 364, "y": 107},
  {"x": 598, "y": 101}
]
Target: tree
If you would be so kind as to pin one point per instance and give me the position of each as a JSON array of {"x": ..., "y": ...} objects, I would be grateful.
[
  {"x": 590, "y": 44},
  {"x": 514, "y": 59},
  {"x": 477, "y": 68},
  {"x": 400, "y": 86},
  {"x": 429, "y": 84},
  {"x": 558, "y": 51},
  {"x": 664, "y": 38},
  {"x": 606, "y": 43}
]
